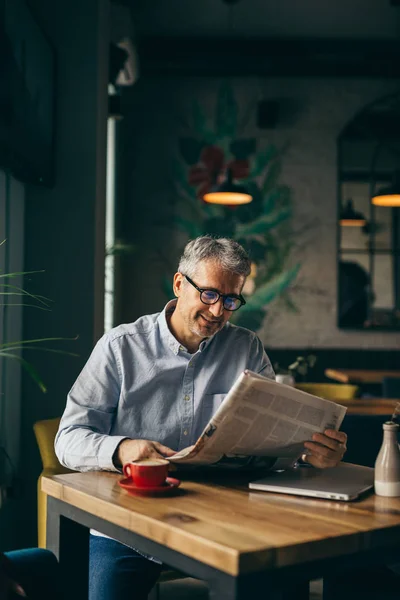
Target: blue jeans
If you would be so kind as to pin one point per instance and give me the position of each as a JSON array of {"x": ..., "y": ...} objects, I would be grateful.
[
  {"x": 117, "y": 572},
  {"x": 37, "y": 571}
]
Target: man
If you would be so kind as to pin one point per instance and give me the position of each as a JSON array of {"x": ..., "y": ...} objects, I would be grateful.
[{"x": 150, "y": 387}]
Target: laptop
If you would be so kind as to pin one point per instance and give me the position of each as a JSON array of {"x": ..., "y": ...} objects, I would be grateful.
[{"x": 345, "y": 482}]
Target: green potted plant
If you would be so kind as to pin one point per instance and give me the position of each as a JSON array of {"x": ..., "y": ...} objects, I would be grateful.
[
  {"x": 296, "y": 370},
  {"x": 18, "y": 296}
]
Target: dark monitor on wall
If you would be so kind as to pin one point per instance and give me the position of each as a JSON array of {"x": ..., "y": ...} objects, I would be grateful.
[{"x": 27, "y": 80}]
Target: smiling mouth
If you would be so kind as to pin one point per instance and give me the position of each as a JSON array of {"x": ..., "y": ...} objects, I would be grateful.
[{"x": 210, "y": 322}]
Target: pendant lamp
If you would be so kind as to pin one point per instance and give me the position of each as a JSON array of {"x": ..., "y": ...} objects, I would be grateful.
[
  {"x": 349, "y": 217},
  {"x": 228, "y": 192},
  {"x": 389, "y": 196}
]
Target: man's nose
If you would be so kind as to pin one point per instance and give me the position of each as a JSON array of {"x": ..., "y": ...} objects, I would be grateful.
[{"x": 217, "y": 309}]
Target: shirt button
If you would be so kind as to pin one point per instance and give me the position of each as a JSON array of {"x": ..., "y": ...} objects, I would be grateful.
[
  {"x": 187, "y": 397},
  {"x": 185, "y": 432},
  {"x": 181, "y": 348}
]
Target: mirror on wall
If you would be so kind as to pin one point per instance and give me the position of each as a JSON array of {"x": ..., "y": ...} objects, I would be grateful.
[{"x": 368, "y": 234}]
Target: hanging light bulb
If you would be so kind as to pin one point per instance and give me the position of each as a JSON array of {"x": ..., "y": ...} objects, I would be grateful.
[
  {"x": 389, "y": 196},
  {"x": 228, "y": 192},
  {"x": 349, "y": 217}
]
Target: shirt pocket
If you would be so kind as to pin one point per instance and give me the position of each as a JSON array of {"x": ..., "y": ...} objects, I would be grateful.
[{"x": 210, "y": 405}]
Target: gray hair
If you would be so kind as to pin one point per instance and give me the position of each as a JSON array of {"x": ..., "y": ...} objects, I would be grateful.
[{"x": 228, "y": 253}]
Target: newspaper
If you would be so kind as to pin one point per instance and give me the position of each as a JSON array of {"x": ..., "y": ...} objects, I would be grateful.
[{"x": 261, "y": 419}]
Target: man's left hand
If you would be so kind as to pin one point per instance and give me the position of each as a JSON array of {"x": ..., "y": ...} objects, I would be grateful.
[{"x": 326, "y": 450}]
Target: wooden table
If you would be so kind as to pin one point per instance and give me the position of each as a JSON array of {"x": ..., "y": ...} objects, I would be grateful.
[
  {"x": 359, "y": 375},
  {"x": 371, "y": 406},
  {"x": 243, "y": 544}
]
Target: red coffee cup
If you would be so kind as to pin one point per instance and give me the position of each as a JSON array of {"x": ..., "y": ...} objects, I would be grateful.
[{"x": 150, "y": 472}]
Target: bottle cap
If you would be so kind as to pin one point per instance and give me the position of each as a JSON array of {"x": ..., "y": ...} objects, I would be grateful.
[{"x": 390, "y": 426}]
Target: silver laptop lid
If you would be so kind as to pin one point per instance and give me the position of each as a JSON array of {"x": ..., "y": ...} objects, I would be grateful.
[{"x": 344, "y": 482}]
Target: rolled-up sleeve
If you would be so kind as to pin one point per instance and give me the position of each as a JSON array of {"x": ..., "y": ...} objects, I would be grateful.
[{"x": 83, "y": 441}]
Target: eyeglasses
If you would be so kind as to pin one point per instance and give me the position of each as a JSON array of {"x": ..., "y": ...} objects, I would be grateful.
[{"x": 230, "y": 301}]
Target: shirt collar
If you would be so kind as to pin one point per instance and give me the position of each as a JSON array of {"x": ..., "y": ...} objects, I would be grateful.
[{"x": 166, "y": 334}]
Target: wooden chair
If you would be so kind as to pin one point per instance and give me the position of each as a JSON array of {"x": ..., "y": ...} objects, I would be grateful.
[{"x": 45, "y": 432}]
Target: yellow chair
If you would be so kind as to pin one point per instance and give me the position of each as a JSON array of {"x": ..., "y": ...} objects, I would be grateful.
[{"x": 45, "y": 432}]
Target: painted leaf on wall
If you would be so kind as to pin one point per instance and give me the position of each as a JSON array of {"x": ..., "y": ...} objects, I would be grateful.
[
  {"x": 263, "y": 223},
  {"x": 242, "y": 149},
  {"x": 263, "y": 226},
  {"x": 272, "y": 175},
  {"x": 190, "y": 227},
  {"x": 270, "y": 290},
  {"x": 181, "y": 179},
  {"x": 279, "y": 196},
  {"x": 261, "y": 161},
  {"x": 219, "y": 226},
  {"x": 252, "y": 319},
  {"x": 226, "y": 112},
  {"x": 190, "y": 150},
  {"x": 167, "y": 287},
  {"x": 201, "y": 125}
]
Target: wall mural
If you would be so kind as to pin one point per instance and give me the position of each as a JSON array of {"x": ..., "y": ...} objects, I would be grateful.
[{"x": 263, "y": 227}]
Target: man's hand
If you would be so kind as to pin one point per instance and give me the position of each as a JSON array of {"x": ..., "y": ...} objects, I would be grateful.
[
  {"x": 326, "y": 450},
  {"x": 132, "y": 450}
]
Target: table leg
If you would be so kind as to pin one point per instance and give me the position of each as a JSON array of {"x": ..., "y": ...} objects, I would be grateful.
[
  {"x": 299, "y": 591},
  {"x": 253, "y": 588},
  {"x": 224, "y": 588},
  {"x": 70, "y": 543}
]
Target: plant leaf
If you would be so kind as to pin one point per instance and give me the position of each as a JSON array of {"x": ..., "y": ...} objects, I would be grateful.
[
  {"x": 201, "y": 125},
  {"x": 226, "y": 112},
  {"x": 241, "y": 149},
  {"x": 272, "y": 175},
  {"x": 28, "y": 367},
  {"x": 6, "y": 347},
  {"x": 17, "y": 273},
  {"x": 251, "y": 319},
  {"x": 261, "y": 160},
  {"x": 180, "y": 175},
  {"x": 263, "y": 223},
  {"x": 39, "y": 340},
  {"x": 270, "y": 290},
  {"x": 167, "y": 287},
  {"x": 290, "y": 305},
  {"x": 190, "y": 227},
  {"x": 273, "y": 199},
  {"x": 190, "y": 149}
]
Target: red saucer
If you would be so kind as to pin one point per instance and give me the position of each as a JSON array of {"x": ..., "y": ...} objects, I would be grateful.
[{"x": 168, "y": 487}]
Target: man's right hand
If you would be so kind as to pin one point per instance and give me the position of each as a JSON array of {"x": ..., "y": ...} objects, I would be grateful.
[{"x": 132, "y": 450}]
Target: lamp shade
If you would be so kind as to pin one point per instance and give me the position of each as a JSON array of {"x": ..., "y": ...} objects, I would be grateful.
[
  {"x": 228, "y": 193},
  {"x": 389, "y": 196},
  {"x": 349, "y": 217}
]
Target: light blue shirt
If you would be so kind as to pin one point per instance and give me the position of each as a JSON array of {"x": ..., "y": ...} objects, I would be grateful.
[{"x": 141, "y": 383}]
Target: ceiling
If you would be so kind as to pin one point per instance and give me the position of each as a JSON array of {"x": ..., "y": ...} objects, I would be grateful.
[{"x": 343, "y": 19}]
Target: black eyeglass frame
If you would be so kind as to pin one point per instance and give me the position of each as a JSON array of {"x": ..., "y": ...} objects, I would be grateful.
[{"x": 219, "y": 295}]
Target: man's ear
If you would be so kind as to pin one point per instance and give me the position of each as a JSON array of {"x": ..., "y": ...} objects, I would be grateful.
[{"x": 177, "y": 284}]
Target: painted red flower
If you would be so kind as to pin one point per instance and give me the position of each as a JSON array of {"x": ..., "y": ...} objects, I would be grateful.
[{"x": 212, "y": 167}]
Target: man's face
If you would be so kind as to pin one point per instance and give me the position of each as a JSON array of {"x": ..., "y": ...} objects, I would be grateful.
[{"x": 199, "y": 320}]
